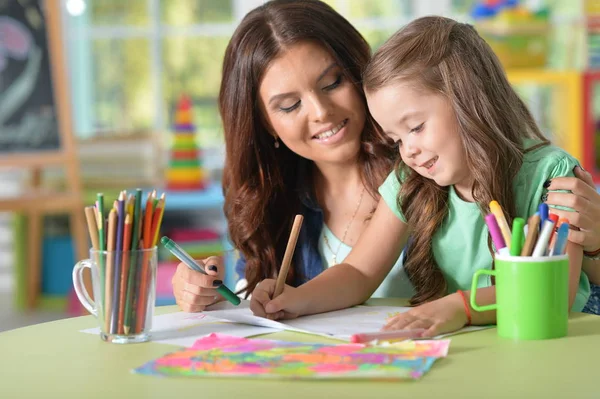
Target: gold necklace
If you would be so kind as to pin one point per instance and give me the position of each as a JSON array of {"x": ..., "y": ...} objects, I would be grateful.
[{"x": 334, "y": 257}]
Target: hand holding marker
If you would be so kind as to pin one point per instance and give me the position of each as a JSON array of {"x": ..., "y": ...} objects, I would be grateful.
[{"x": 191, "y": 263}]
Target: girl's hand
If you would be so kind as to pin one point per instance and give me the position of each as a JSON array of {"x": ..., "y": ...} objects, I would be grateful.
[
  {"x": 193, "y": 290},
  {"x": 281, "y": 307},
  {"x": 585, "y": 200},
  {"x": 443, "y": 315}
]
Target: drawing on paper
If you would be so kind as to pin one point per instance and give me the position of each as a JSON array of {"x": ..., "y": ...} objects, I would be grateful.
[{"x": 220, "y": 355}]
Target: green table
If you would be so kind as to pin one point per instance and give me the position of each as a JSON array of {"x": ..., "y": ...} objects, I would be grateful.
[{"x": 55, "y": 360}]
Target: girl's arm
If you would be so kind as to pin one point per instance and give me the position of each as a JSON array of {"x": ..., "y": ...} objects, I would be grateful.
[
  {"x": 448, "y": 313},
  {"x": 346, "y": 284}
]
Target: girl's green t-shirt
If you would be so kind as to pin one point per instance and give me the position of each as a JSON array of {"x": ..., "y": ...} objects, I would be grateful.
[{"x": 460, "y": 245}]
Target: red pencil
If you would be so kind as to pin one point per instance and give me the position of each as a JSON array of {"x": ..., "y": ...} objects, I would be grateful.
[
  {"x": 148, "y": 211},
  {"x": 386, "y": 336}
]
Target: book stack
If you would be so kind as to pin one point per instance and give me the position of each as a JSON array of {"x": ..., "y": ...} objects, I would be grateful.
[{"x": 185, "y": 171}]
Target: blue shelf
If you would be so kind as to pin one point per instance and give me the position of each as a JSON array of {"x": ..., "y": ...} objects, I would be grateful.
[{"x": 209, "y": 198}]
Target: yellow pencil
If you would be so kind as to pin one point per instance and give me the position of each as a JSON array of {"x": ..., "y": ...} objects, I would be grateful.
[{"x": 496, "y": 209}]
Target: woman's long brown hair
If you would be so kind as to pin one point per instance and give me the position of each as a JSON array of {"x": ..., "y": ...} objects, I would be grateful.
[
  {"x": 450, "y": 59},
  {"x": 260, "y": 180}
]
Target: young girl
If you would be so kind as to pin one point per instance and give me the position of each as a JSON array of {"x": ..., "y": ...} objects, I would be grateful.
[{"x": 465, "y": 138}]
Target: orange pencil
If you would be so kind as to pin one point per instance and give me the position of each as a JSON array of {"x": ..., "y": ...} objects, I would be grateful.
[
  {"x": 110, "y": 260},
  {"x": 124, "y": 271},
  {"x": 148, "y": 220},
  {"x": 144, "y": 278}
]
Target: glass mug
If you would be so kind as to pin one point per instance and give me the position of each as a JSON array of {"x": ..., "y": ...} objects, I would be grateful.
[{"x": 124, "y": 285}]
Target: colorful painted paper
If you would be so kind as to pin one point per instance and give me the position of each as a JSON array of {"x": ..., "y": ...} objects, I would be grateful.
[{"x": 220, "y": 355}]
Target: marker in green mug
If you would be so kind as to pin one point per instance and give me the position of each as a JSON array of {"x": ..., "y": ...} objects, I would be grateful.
[
  {"x": 191, "y": 263},
  {"x": 516, "y": 243}
]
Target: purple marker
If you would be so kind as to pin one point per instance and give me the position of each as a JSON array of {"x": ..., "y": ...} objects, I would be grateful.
[{"x": 496, "y": 234}]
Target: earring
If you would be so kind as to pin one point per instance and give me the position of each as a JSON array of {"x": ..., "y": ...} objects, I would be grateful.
[{"x": 276, "y": 144}]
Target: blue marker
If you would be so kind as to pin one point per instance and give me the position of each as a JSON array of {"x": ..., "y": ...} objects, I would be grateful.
[
  {"x": 560, "y": 245},
  {"x": 543, "y": 211}
]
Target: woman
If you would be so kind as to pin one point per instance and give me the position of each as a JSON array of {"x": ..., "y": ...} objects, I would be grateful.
[{"x": 299, "y": 139}]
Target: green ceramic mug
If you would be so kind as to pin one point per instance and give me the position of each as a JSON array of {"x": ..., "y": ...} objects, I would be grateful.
[{"x": 532, "y": 296}]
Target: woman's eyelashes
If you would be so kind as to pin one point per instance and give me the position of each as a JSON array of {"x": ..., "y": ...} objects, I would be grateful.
[
  {"x": 417, "y": 129},
  {"x": 329, "y": 87},
  {"x": 336, "y": 83},
  {"x": 291, "y": 108}
]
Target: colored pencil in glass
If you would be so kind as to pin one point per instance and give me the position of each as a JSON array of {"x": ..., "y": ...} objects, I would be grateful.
[
  {"x": 108, "y": 286},
  {"x": 137, "y": 227},
  {"x": 118, "y": 258},
  {"x": 142, "y": 304},
  {"x": 101, "y": 242},
  {"x": 124, "y": 271}
]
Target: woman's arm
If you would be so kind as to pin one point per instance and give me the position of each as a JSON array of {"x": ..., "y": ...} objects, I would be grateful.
[
  {"x": 585, "y": 202},
  {"x": 343, "y": 285}
]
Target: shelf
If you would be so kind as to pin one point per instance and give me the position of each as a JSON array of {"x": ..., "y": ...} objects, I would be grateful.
[{"x": 209, "y": 198}]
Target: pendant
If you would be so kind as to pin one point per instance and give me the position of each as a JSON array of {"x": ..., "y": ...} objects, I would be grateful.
[{"x": 334, "y": 260}]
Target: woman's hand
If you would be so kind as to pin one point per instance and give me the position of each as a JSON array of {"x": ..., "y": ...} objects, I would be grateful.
[
  {"x": 585, "y": 201},
  {"x": 281, "y": 307},
  {"x": 443, "y": 315},
  {"x": 193, "y": 290}
]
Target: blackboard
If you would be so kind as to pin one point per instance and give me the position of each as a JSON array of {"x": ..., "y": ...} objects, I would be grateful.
[{"x": 28, "y": 114}]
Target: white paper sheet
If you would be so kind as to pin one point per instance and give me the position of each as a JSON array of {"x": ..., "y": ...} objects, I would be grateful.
[
  {"x": 340, "y": 324},
  {"x": 184, "y": 329}
]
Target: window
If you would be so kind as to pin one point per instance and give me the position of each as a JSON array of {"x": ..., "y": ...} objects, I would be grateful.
[{"x": 131, "y": 60}]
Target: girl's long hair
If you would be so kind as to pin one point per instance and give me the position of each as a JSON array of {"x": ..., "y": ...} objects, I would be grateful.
[
  {"x": 450, "y": 59},
  {"x": 260, "y": 180}
]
